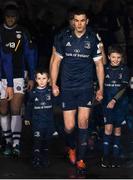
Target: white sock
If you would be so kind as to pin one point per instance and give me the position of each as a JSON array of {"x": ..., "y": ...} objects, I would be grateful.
[
  {"x": 6, "y": 127},
  {"x": 16, "y": 128}
]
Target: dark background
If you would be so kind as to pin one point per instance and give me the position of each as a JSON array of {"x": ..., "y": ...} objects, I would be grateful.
[{"x": 112, "y": 19}]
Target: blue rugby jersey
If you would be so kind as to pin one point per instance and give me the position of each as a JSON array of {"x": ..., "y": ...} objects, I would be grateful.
[
  {"x": 17, "y": 42},
  {"x": 115, "y": 79},
  {"x": 78, "y": 56},
  {"x": 39, "y": 106}
]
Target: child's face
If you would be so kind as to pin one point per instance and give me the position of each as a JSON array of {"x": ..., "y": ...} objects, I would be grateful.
[
  {"x": 115, "y": 59},
  {"x": 42, "y": 80}
]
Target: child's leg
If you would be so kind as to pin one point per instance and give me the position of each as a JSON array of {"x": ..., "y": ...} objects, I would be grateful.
[
  {"x": 37, "y": 140},
  {"x": 45, "y": 152},
  {"x": 106, "y": 145},
  {"x": 107, "y": 139},
  {"x": 116, "y": 142},
  {"x": 116, "y": 147}
]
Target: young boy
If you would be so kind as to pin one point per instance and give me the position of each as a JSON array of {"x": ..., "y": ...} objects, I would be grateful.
[
  {"x": 40, "y": 111},
  {"x": 114, "y": 105}
]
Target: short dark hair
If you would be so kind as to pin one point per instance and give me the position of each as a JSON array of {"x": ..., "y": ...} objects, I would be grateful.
[
  {"x": 79, "y": 11},
  {"x": 41, "y": 71},
  {"x": 11, "y": 10},
  {"x": 115, "y": 49}
]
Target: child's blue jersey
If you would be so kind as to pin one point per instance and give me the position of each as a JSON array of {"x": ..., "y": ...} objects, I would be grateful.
[
  {"x": 78, "y": 56},
  {"x": 115, "y": 79},
  {"x": 39, "y": 107}
]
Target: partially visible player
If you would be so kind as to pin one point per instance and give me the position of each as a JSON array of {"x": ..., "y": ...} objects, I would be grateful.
[{"x": 19, "y": 45}]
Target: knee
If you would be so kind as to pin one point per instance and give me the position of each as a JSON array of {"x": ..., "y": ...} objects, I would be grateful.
[
  {"x": 4, "y": 113},
  {"x": 69, "y": 128},
  {"x": 15, "y": 111},
  {"x": 83, "y": 123},
  {"x": 117, "y": 131},
  {"x": 108, "y": 129}
]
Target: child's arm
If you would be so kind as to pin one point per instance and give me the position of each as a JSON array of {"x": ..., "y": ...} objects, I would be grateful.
[
  {"x": 122, "y": 90},
  {"x": 118, "y": 95}
]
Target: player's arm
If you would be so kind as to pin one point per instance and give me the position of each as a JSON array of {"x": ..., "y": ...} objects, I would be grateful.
[
  {"x": 6, "y": 63},
  {"x": 51, "y": 61},
  {"x": 100, "y": 77},
  {"x": 29, "y": 53},
  {"x": 54, "y": 71}
]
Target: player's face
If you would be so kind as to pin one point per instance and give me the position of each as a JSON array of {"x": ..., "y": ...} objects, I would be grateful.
[
  {"x": 80, "y": 22},
  {"x": 42, "y": 80},
  {"x": 115, "y": 59},
  {"x": 10, "y": 20}
]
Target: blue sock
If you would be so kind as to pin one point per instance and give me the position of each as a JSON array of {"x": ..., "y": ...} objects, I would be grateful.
[
  {"x": 116, "y": 146},
  {"x": 82, "y": 143},
  {"x": 106, "y": 144},
  {"x": 70, "y": 139}
]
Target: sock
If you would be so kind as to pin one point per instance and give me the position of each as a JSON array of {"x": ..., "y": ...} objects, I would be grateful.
[
  {"x": 116, "y": 146},
  {"x": 6, "y": 128},
  {"x": 70, "y": 139},
  {"x": 106, "y": 144},
  {"x": 45, "y": 152},
  {"x": 37, "y": 143},
  {"x": 16, "y": 127},
  {"x": 82, "y": 143}
]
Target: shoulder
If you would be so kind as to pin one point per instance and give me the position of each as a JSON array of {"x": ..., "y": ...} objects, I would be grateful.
[
  {"x": 107, "y": 67},
  {"x": 66, "y": 32},
  {"x": 124, "y": 67},
  {"x": 90, "y": 32}
]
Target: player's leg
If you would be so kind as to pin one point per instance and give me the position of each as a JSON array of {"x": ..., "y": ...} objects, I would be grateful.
[
  {"x": 69, "y": 123},
  {"x": 69, "y": 113},
  {"x": 16, "y": 119},
  {"x": 5, "y": 119},
  {"x": 83, "y": 118}
]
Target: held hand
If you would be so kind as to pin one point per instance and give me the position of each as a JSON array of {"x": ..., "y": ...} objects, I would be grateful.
[
  {"x": 55, "y": 90},
  {"x": 30, "y": 85},
  {"x": 111, "y": 104},
  {"x": 99, "y": 95},
  {"x": 9, "y": 93}
]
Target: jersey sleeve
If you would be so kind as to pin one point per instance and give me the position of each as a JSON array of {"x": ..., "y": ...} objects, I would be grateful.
[
  {"x": 96, "y": 52},
  {"x": 30, "y": 55},
  {"x": 6, "y": 65},
  {"x": 58, "y": 44}
]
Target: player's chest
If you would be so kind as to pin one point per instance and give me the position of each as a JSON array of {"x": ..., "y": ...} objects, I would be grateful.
[
  {"x": 12, "y": 39},
  {"x": 75, "y": 46}
]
